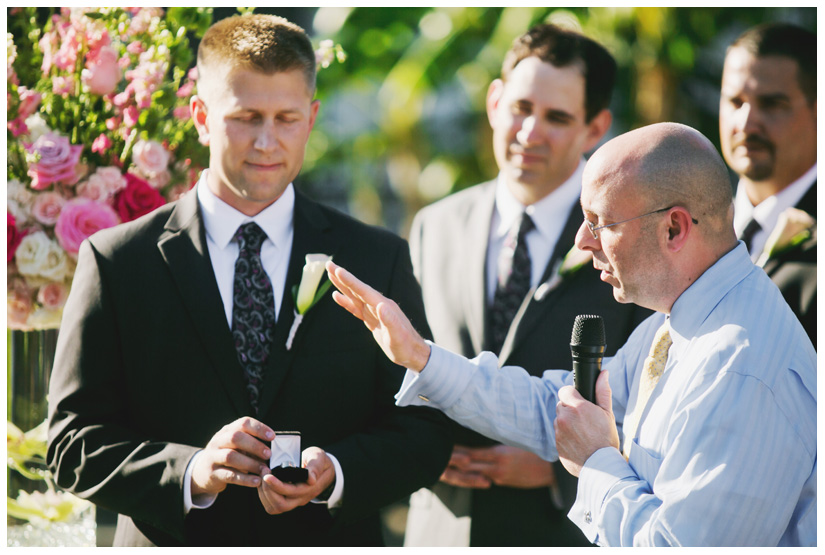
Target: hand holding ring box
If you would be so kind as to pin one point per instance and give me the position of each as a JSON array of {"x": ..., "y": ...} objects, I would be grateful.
[{"x": 285, "y": 461}]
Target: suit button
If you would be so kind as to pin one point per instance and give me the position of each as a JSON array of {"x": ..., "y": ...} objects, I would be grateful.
[
  {"x": 423, "y": 398},
  {"x": 588, "y": 517}
]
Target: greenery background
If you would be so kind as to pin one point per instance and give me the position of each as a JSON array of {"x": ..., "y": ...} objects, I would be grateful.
[{"x": 402, "y": 121}]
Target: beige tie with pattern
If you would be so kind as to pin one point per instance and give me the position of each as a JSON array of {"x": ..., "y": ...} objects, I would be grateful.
[{"x": 652, "y": 371}]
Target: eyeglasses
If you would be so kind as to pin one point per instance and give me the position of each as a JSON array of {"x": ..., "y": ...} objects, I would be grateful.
[{"x": 594, "y": 228}]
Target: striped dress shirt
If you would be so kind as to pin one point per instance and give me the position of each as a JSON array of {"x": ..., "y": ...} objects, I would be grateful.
[{"x": 725, "y": 451}]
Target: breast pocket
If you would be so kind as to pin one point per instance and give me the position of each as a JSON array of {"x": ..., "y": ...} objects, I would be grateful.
[{"x": 646, "y": 464}]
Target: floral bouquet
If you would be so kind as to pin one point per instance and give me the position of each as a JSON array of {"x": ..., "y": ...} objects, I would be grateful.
[{"x": 98, "y": 133}]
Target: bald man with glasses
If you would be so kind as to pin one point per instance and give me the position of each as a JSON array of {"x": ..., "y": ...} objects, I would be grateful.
[{"x": 704, "y": 430}]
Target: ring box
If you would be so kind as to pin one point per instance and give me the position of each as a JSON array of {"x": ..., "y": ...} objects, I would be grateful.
[{"x": 285, "y": 461}]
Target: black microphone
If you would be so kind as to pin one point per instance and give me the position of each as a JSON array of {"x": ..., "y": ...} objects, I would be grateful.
[{"x": 587, "y": 346}]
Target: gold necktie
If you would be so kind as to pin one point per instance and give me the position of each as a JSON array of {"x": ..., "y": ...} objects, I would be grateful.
[{"x": 652, "y": 371}]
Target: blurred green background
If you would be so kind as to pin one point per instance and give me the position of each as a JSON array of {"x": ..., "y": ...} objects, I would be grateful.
[{"x": 402, "y": 120}]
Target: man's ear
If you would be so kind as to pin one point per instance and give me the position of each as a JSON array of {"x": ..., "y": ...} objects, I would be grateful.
[
  {"x": 679, "y": 227},
  {"x": 597, "y": 127},
  {"x": 494, "y": 93},
  {"x": 198, "y": 109}
]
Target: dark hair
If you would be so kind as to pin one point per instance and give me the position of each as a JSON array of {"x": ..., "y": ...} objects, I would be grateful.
[
  {"x": 265, "y": 43},
  {"x": 562, "y": 48},
  {"x": 790, "y": 41}
]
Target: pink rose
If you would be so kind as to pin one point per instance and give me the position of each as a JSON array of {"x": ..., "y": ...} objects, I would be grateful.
[
  {"x": 13, "y": 237},
  {"x": 130, "y": 116},
  {"x": 56, "y": 161},
  {"x": 29, "y": 102},
  {"x": 47, "y": 207},
  {"x": 66, "y": 56},
  {"x": 150, "y": 157},
  {"x": 102, "y": 74},
  {"x": 137, "y": 199},
  {"x": 182, "y": 113},
  {"x": 101, "y": 144},
  {"x": 135, "y": 47},
  {"x": 52, "y": 295},
  {"x": 79, "y": 219}
]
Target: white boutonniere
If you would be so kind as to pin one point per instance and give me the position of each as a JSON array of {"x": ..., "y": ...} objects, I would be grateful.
[
  {"x": 308, "y": 293},
  {"x": 793, "y": 228},
  {"x": 573, "y": 261}
]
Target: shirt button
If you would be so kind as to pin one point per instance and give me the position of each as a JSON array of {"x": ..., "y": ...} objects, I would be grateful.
[
  {"x": 423, "y": 398},
  {"x": 587, "y": 517}
]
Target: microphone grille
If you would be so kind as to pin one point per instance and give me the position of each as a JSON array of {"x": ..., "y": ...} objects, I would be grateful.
[{"x": 588, "y": 329}]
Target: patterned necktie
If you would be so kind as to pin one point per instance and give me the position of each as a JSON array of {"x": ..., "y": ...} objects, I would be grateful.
[
  {"x": 253, "y": 312},
  {"x": 652, "y": 371},
  {"x": 750, "y": 230},
  {"x": 513, "y": 283}
]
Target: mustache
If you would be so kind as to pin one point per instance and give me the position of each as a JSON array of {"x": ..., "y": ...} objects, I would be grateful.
[{"x": 751, "y": 140}]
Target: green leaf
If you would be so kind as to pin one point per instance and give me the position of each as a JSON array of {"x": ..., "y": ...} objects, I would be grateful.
[{"x": 320, "y": 293}]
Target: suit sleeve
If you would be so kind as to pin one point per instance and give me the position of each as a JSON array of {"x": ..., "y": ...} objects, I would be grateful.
[
  {"x": 92, "y": 452},
  {"x": 406, "y": 448}
]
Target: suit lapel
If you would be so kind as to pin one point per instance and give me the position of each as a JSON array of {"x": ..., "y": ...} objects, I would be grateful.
[
  {"x": 312, "y": 234},
  {"x": 475, "y": 261},
  {"x": 532, "y": 308},
  {"x": 183, "y": 247}
]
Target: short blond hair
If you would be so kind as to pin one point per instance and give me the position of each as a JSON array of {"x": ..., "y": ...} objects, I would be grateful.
[{"x": 265, "y": 43}]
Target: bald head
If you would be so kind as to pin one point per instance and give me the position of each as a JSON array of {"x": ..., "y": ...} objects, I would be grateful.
[{"x": 669, "y": 164}]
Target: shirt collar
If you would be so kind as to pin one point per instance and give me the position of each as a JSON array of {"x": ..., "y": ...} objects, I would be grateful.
[
  {"x": 554, "y": 207},
  {"x": 696, "y": 303},
  {"x": 221, "y": 221},
  {"x": 767, "y": 212}
]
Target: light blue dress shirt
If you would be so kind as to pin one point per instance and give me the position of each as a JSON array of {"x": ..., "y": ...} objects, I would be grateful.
[{"x": 725, "y": 451}]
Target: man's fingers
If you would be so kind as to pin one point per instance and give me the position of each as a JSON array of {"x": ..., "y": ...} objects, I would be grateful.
[{"x": 229, "y": 476}]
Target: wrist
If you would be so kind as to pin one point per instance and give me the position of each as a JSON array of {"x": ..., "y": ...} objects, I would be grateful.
[{"x": 421, "y": 356}]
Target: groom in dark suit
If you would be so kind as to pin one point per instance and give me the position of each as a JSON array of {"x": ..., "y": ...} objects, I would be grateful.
[
  {"x": 549, "y": 108},
  {"x": 176, "y": 362},
  {"x": 767, "y": 122}
]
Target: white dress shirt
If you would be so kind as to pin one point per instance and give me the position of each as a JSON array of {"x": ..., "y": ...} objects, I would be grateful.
[
  {"x": 767, "y": 212},
  {"x": 549, "y": 216},
  {"x": 221, "y": 221},
  {"x": 725, "y": 452}
]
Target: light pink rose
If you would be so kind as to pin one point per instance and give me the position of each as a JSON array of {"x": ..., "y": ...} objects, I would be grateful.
[
  {"x": 79, "y": 219},
  {"x": 94, "y": 189},
  {"x": 29, "y": 102},
  {"x": 135, "y": 47},
  {"x": 150, "y": 157},
  {"x": 112, "y": 177},
  {"x": 56, "y": 161},
  {"x": 130, "y": 116},
  {"x": 102, "y": 74},
  {"x": 112, "y": 123},
  {"x": 101, "y": 144},
  {"x": 47, "y": 207},
  {"x": 52, "y": 295},
  {"x": 19, "y": 306}
]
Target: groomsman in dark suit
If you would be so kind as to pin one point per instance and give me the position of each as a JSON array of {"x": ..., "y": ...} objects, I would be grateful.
[
  {"x": 499, "y": 273},
  {"x": 181, "y": 351},
  {"x": 767, "y": 123}
]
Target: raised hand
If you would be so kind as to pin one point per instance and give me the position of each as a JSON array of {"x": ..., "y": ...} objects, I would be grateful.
[{"x": 391, "y": 329}]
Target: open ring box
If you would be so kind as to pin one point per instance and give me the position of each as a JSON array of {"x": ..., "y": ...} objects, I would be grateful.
[{"x": 285, "y": 461}]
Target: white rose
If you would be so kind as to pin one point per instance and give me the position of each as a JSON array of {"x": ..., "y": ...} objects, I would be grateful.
[
  {"x": 38, "y": 255},
  {"x": 37, "y": 126}
]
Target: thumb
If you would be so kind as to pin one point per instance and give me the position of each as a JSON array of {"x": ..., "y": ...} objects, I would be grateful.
[{"x": 604, "y": 395}]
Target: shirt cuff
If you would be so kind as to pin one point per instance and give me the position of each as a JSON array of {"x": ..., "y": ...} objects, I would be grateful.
[
  {"x": 600, "y": 473},
  {"x": 203, "y": 501},
  {"x": 440, "y": 383},
  {"x": 336, "y": 497}
]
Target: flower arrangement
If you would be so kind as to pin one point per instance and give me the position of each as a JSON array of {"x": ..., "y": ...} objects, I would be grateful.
[{"x": 98, "y": 133}]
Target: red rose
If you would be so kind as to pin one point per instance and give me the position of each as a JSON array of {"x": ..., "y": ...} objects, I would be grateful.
[
  {"x": 137, "y": 199},
  {"x": 13, "y": 237}
]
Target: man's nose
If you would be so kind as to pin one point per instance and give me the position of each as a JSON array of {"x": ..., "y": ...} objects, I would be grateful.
[
  {"x": 585, "y": 240},
  {"x": 530, "y": 131},
  {"x": 748, "y": 118},
  {"x": 267, "y": 137}
]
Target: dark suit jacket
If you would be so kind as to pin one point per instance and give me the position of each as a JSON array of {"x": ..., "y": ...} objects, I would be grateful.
[
  {"x": 448, "y": 241},
  {"x": 794, "y": 272},
  {"x": 146, "y": 373}
]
